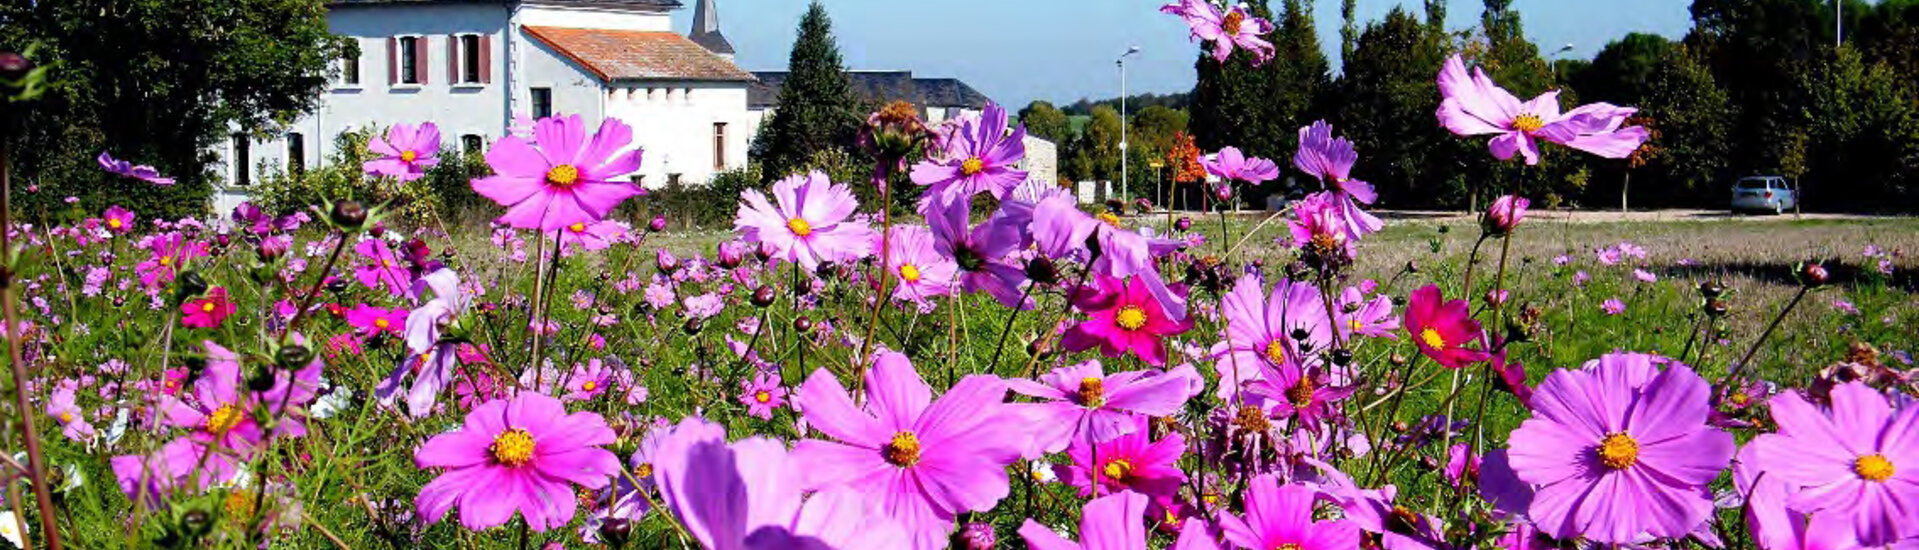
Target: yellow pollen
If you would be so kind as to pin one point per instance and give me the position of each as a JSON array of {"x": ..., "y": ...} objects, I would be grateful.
[
  {"x": 972, "y": 166},
  {"x": 1231, "y": 24},
  {"x": 1118, "y": 470},
  {"x": 1210, "y": 498},
  {"x": 1092, "y": 392},
  {"x": 1110, "y": 218},
  {"x": 644, "y": 470},
  {"x": 1355, "y": 325},
  {"x": 1618, "y": 451},
  {"x": 114, "y": 223},
  {"x": 1528, "y": 123},
  {"x": 1276, "y": 352},
  {"x": 381, "y": 323},
  {"x": 1130, "y": 318},
  {"x": 66, "y": 417},
  {"x": 166, "y": 260},
  {"x": 904, "y": 451},
  {"x": 1433, "y": 339},
  {"x": 512, "y": 448},
  {"x": 1253, "y": 420},
  {"x": 1740, "y": 398},
  {"x": 910, "y": 273},
  {"x": 409, "y": 156},
  {"x": 577, "y": 227},
  {"x": 223, "y": 420},
  {"x": 799, "y": 227},
  {"x": 762, "y": 396},
  {"x": 1288, "y": 546},
  {"x": 1301, "y": 394},
  {"x": 590, "y": 385},
  {"x": 1873, "y": 467},
  {"x": 207, "y": 306},
  {"x": 563, "y": 175},
  {"x": 238, "y": 503}
]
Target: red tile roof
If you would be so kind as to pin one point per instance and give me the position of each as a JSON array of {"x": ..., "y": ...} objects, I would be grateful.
[{"x": 638, "y": 55}]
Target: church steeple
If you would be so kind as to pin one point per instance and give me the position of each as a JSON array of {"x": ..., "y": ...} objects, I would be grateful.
[{"x": 706, "y": 29}]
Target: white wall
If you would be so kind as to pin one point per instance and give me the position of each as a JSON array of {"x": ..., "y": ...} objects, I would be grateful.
[
  {"x": 575, "y": 91},
  {"x": 673, "y": 122},
  {"x": 577, "y": 17}
]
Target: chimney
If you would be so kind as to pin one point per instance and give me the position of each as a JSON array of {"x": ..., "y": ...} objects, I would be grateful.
[{"x": 706, "y": 30}]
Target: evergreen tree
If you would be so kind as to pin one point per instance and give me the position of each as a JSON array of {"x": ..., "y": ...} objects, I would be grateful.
[
  {"x": 1232, "y": 100},
  {"x": 1388, "y": 97},
  {"x": 1348, "y": 28},
  {"x": 817, "y": 111}
]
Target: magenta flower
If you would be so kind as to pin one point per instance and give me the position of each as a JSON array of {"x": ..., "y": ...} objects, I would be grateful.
[
  {"x": 746, "y": 495},
  {"x": 405, "y": 152},
  {"x": 1231, "y": 164},
  {"x": 429, "y": 360},
  {"x": 1319, "y": 226},
  {"x": 1612, "y": 306},
  {"x": 1619, "y": 449},
  {"x": 806, "y": 221},
  {"x": 117, "y": 219},
  {"x": 68, "y": 414},
  {"x": 919, "y": 271},
  {"x": 1112, "y": 522},
  {"x": 207, "y": 312},
  {"x": 980, "y": 252},
  {"x": 1081, "y": 401},
  {"x": 587, "y": 380},
  {"x": 1376, "y": 511},
  {"x": 1504, "y": 214},
  {"x": 1859, "y": 461},
  {"x": 1259, "y": 329},
  {"x": 1061, "y": 231},
  {"x": 1474, "y": 105},
  {"x": 1225, "y": 30},
  {"x": 127, "y": 169},
  {"x": 592, "y": 236},
  {"x": 520, "y": 455},
  {"x": 762, "y": 395},
  {"x": 1292, "y": 389},
  {"x": 1442, "y": 329},
  {"x": 1281, "y": 516},
  {"x": 923, "y": 461},
  {"x": 1330, "y": 160},
  {"x": 220, "y": 411},
  {"x": 569, "y": 179},
  {"x": 373, "y": 321},
  {"x": 170, "y": 251},
  {"x": 1131, "y": 462},
  {"x": 1123, "y": 317},
  {"x": 1373, "y": 319},
  {"x": 980, "y": 155},
  {"x": 383, "y": 268}
]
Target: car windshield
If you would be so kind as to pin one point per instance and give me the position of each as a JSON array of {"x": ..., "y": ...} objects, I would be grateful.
[{"x": 1753, "y": 183}]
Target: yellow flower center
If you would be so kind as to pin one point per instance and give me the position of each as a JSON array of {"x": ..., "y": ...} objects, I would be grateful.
[
  {"x": 408, "y": 156},
  {"x": 563, "y": 175},
  {"x": 1276, "y": 352},
  {"x": 972, "y": 166},
  {"x": 799, "y": 227},
  {"x": 114, "y": 223},
  {"x": 1092, "y": 392},
  {"x": 903, "y": 451},
  {"x": 1118, "y": 470},
  {"x": 1232, "y": 22},
  {"x": 1618, "y": 451},
  {"x": 1873, "y": 467},
  {"x": 1110, "y": 218},
  {"x": 910, "y": 273},
  {"x": 1740, "y": 398},
  {"x": 1288, "y": 546},
  {"x": 1528, "y": 123},
  {"x": 512, "y": 448},
  {"x": 381, "y": 323},
  {"x": 207, "y": 306},
  {"x": 1301, "y": 394},
  {"x": 223, "y": 420},
  {"x": 762, "y": 396},
  {"x": 1355, "y": 325},
  {"x": 1253, "y": 420},
  {"x": 1130, "y": 318},
  {"x": 590, "y": 385},
  {"x": 166, "y": 260},
  {"x": 644, "y": 470},
  {"x": 238, "y": 503},
  {"x": 1432, "y": 339},
  {"x": 577, "y": 227},
  {"x": 66, "y": 417}
]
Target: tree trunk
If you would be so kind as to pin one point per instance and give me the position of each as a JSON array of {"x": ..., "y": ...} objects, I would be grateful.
[{"x": 1623, "y": 188}]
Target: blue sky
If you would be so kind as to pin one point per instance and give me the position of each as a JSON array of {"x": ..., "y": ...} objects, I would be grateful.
[{"x": 1016, "y": 51}]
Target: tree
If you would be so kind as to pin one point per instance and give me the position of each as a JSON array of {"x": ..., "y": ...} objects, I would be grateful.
[
  {"x": 1348, "y": 27},
  {"x": 817, "y": 110},
  {"x": 1388, "y": 98},
  {"x": 1862, "y": 134},
  {"x": 1695, "y": 118},
  {"x": 161, "y": 83},
  {"x": 1232, "y": 101},
  {"x": 1102, "y": 144},
  {"x": 1623, "y": 70},
  {"x": 1045, "y": 121}
]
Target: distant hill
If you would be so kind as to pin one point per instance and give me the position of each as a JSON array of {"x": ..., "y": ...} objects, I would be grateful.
[{"x": 1084, "y": 106}]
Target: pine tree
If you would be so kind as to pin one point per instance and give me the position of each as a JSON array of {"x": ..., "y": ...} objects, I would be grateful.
[
  {"x": 1348, "y": 28},
  {"x": 817, "y": 110}
]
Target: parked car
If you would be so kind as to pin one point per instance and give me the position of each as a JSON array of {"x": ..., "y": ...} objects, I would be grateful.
[{"x": 1763, "y": 194}]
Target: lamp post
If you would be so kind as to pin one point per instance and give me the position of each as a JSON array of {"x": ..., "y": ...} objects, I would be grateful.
[
  {"x": 1553, "y": 61},
  {"x": 1123, "y": 189}
]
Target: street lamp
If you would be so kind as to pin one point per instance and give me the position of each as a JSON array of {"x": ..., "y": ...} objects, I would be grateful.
[
  {"x": 1553, "y": 61},
  {"x": 1123, "y": 188}
]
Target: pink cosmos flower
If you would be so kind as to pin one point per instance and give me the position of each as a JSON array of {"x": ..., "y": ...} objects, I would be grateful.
[
  {"x": 405, "y": 152},
  {"x": 1618, "y": 449},
  {"x": 762, "y": 395},
  {"x": 1131, "y": 462},
  {"x": 592, "y": 236},
  {"x": 1292, "y": 389},
  {"x": 747, "y": 496},
  {"x": 1231, "y": 164},
  {"x": 1442, "y": 329},
  {"x": 207, "y": 312},
  {"x": 924, "y": 461},
  {"x": 807, "y": 221},
  {"x": 117, "y": 219},
  {"x": 1281, "y": 516},
  {"x": 1112, "y": 522},
  {"x": 919, "y": 271},
  {"x": 1082, "y": 402},
  {"x": 68, "y": 414},
  {"x": 519, "y": 455},
  {"x": 430, "y": 360},
  {"x": 1376, "y": 511},
  {"x": 1319, "y": 225},
  {"x": 980, "y": 252},
  {"x": 1644, "y": 276},
  {"x": 1858, "y": 461},
  {"x": 1373, "y": 319},
  {"x": 587, "y": 380},
  {"x": 1233, "y": 28},
  {"x": 1612, "y": 306},
  {"x": 1123, "y": 317},
  {"x": 1260, "y": 329},
  {"x": 569, "y": 179},
  {"x": 1474, "y": 105},
  {"x": 170, "y": 250},
  {"x": 1504, "y": 214},
  {"x": 1330, "y": 160},
  {"x": 373, "y": 321},
  {"x": 220, "y": 411},
  {"x": 383, "y": 268},
  {"x": 1061, "y": 231},
  {"x": 127, "y": 169},
  {"x": 980, "y": 155}
]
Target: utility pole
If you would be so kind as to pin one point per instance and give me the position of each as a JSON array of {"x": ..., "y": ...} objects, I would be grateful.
[{"x": 1124, "y": 190}]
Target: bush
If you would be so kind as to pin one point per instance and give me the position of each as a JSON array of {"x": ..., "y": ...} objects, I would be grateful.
[{"x": 446, "y": 190}]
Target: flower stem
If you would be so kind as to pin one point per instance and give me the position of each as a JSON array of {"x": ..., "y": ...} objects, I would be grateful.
[
  {"x": 36, "y": 463},
  {"x": 1733, "y": 374}
]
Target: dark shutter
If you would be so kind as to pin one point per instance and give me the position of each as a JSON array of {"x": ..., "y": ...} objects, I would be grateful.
[
  {"x": 420, "y": 58},
  {"x": 392, "y": 61},
  {"x": 486, "y": 58},
  {"x": 453, "y": 59}
]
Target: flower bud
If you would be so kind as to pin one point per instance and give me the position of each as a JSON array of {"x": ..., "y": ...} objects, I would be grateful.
[
  {"x": 977, "y": 536},
  {"x": 693, "y": 326},
  {"x": 1184, "y": 224},
  {"x": 666, "y": 261},
  {"x": 1813, "y": 274},
  {"x": 615, "y": 532},
  {"x": 803, "y": 324},
  {"x": 764, "y": 296},
  {"x": 14, "y": 66},
  {"x": 293, "y": 357},
  {"x": 1504, "y": 214},
  {"x": 1042, "y": 271},
  {"x": 349, "y": 215},
  {"x": 191, "y": 284},
  {"x": 657, "y": 224}
]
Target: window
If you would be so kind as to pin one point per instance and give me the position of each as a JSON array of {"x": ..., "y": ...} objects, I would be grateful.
[
  {"x": 719, "y": 146},
  {"x": 471, "y": 143},
  {"x": 350, "y": 68},
  {"x": 470, "y": 57},
  {"x": 242, "y": 149},
  {"x": 296, "y": 153},
  {"x": 542, "y": 103},
  {"x": 410, "y": 60}
]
